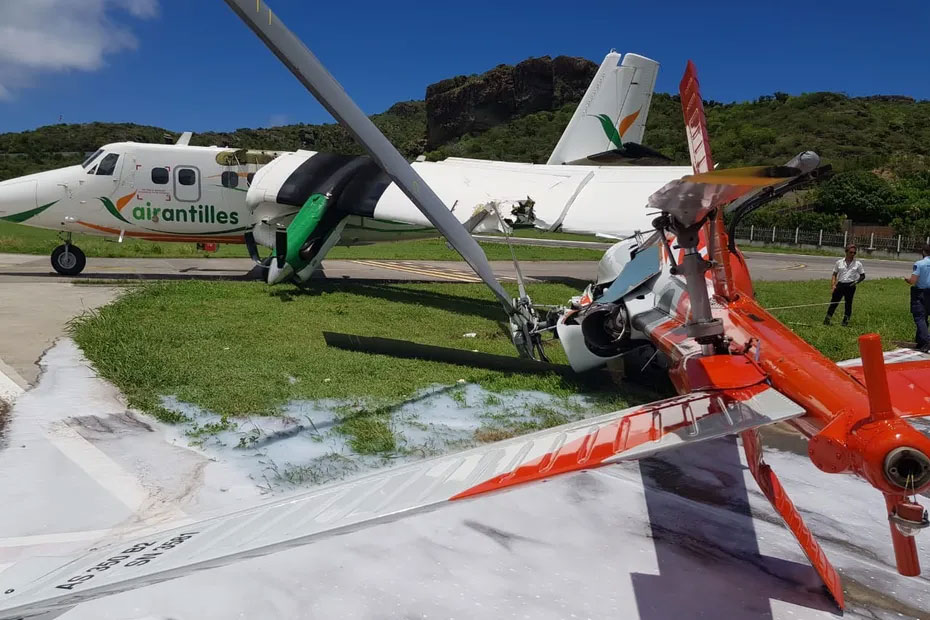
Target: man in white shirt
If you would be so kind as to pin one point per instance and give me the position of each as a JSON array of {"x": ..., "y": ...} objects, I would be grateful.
[{"x": 847, "y": 273}]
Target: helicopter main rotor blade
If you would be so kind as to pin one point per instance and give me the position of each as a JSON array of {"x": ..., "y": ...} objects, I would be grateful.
[{"x": 259, "y": 17}]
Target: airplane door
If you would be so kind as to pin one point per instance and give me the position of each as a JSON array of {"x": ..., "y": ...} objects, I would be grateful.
[
  {"x": 187, "y": 183},
  {"x": 127, "y": 173}
]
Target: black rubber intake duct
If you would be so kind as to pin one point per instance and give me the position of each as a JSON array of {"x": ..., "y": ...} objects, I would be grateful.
[{"x": 355, "y": 182}]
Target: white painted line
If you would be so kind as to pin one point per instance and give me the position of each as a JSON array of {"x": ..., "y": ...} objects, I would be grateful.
[
  {"x": 122, "y": 485},
  {"x": 10, "y": 389},
  {"x": 52, "y": 539}
]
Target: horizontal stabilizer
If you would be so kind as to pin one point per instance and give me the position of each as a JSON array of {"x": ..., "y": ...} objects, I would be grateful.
[
  {"x": 391, "y": 494},
  {"x": 908, "y": 375}
]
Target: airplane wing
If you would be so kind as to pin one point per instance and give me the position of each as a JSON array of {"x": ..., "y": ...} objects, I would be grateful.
[
  {"x": 908, "y": 373},
  {"x": 579, "y": 199},
  {"x": 389, "y": 495}
]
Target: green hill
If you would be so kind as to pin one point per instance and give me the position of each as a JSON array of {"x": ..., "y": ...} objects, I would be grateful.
[{"x": 886, "y": 138}]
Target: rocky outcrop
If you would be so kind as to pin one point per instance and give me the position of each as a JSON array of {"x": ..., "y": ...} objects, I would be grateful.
[{"x": 472, "y": 104}]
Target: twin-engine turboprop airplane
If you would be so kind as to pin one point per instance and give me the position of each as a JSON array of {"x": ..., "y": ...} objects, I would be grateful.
[
  {"x": 735, "y": 366},
  {"x": 301, "y": 204}
]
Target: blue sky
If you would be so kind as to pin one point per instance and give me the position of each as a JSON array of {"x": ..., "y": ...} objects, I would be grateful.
[{"x": 192, "y": 65}]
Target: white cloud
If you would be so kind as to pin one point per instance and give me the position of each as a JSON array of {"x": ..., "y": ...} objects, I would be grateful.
[
  {"x": 276, "y": 120},
  {"x": 38, "y": 36}
]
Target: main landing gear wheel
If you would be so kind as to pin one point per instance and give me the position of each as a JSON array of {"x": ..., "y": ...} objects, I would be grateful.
[{"x": 68, "y": 260}]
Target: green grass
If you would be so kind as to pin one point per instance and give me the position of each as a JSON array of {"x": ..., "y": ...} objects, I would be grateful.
[
  {"x": 369, "y": 434},
  {"x": 244, "y": 348},
  {"x": 18, "y": 239},
  {"x": 881, "y": 306}
]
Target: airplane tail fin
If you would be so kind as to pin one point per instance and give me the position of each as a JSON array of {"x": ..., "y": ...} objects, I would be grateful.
[
  {"x": 612, "y": 112},
  {"x": 715, "y": 233}
]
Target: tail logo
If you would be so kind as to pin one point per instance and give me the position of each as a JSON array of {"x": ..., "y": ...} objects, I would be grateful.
[{"x": 614, "y": 133}]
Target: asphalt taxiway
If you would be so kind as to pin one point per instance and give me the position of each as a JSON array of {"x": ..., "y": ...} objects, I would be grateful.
[{"x": 763, "y": 266}]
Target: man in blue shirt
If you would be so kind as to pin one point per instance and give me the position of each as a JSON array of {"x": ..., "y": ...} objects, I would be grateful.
[{"x": 920, "y": 298}]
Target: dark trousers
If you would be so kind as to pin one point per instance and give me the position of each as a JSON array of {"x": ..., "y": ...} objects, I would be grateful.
[
  {"x": 846, "y": 292},
  {"x": 920, "y": 307}
]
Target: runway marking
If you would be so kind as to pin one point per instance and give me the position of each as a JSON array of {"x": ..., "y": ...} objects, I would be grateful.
[
  {"x": 10, "y": 389},
  {"x": 52, "y": 539},
  {"x": 456, "y": 276},
  {"x": 103, "y": 470},
  {"x": 795, "y": 267}
]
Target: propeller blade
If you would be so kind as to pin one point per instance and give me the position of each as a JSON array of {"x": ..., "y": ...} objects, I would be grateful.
[
  {"x": 252, "y": 247},
  {"x": 806, "y": 162},
  {"x": 280, "y": 247},
  {"x": 313, "y": 75}
]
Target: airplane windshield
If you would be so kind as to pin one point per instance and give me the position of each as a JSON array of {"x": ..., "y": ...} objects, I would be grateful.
[
  {"x": 107, "y": 165},
  {"x": 90, "y": 159}
]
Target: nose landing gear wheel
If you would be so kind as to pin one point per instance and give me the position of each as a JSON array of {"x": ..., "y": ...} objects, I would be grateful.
[{"x": 68, "y": 260}]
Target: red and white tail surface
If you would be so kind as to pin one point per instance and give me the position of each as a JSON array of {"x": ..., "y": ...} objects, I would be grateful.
[
  {"x": 778, "y": 497},
  {"x": 908, "y": 374},
  {"x": 695, "y": 122},
  {"x": 389, "y": 495},
  {"x": 701, "y": 161}
]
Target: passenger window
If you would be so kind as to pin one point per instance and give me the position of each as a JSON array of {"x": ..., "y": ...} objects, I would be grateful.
[
  {"x": 230, "y": 179},
  {"x": 107, "y": 165},
  {"x": 186, "y": 176},
  {"x": 160, "y": 176}
]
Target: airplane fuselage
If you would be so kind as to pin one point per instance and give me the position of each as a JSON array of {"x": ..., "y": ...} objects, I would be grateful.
[{"x": 157, "y": 193}]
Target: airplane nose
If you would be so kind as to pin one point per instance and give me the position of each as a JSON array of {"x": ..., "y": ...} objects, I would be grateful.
[{"x": 17, "y": 200}]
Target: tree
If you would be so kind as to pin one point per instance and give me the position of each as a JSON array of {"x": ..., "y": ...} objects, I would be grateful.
[{"x": 859, "y": 195}]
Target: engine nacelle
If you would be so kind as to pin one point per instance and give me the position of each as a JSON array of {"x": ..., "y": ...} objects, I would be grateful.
[
  {"x": 604, "y": 327},
  {"x": 594, "y": 335}
]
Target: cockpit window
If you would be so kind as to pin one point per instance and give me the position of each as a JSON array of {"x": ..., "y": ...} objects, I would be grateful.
[
  {"x": 107, "y": 165},
  {"x": 90, "y": 159}
]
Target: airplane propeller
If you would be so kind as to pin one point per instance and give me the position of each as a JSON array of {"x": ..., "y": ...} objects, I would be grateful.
[{"x": 258, "y": 16}]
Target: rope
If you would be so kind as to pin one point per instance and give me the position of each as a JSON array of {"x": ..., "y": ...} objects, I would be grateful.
[
  {"x": 826, "y": 303},
  {"x": 801, "y": 306}
]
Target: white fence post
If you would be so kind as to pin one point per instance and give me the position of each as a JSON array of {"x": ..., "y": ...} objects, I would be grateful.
[
  {"x": 796, "y": 231},
  {"x": 845, "y": 236},
  {"x": 820, "y": 241},
  {"x": 872, "y": 241},
  {"x": 899, "y": 244},
  {"x": 773, "y": 234},
  {"x": 752, "y": 229}
]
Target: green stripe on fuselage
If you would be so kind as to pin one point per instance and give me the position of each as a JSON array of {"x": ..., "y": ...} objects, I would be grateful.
[{"x": 21, "y": 217}]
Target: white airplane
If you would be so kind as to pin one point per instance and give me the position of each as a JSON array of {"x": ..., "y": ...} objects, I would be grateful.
[{"x": 301, "y": 204}]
